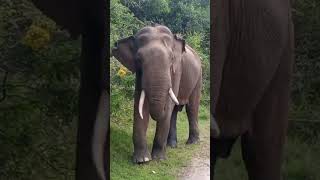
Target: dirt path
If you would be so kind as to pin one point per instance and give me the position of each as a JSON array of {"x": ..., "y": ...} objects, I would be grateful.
[{"x": 199, "y": 167}]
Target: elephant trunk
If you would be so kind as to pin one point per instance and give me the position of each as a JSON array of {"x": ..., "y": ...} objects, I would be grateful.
[
  {"x": 158, "y": 103},
  {"x": 156, "y": 92},
  {"x": 142, "y": 99}
]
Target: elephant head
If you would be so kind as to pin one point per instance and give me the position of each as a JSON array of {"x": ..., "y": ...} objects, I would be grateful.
[{"x": 155, "y": 54}]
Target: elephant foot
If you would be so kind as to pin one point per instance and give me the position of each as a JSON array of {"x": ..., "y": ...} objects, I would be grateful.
[
  {"x": 158, "y": 154},
  {"x": 172, "y": 143},
  {"x": 193, "y": 140},
  {"x": 140, "y": 158}
]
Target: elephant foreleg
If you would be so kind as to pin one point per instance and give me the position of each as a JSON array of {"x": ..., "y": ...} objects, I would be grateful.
[
  {"x": 141, "y": 153},
  {"x": 172, "y": 137},
  {"x": 160, "y": 139}
]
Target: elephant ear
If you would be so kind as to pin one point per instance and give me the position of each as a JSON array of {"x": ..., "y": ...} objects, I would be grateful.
[
  {"x": 179, "y": 47},
  {"x": 124, "y": 52},
  {"x": 65, "y": 13}
]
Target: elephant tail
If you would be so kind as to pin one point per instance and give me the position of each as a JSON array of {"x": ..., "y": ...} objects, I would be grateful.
[{"x": 99, "y": 138}]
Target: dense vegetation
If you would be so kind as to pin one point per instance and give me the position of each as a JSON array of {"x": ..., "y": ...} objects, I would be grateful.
[
  {"x": 39, "y": 80},
  {"x": 306, "y": 82},
  {"x": 39, "y": 83}
]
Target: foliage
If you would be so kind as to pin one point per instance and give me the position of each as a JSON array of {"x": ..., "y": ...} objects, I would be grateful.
[
  {"x": 36, "y": 37},
  {"x": 123, "y": 24},
  {"x": 180, "y": 16},
  {"x": 39, "y": 108},
  {"x": 306, "y": 82},
  {"x": 122, "y": 21}
]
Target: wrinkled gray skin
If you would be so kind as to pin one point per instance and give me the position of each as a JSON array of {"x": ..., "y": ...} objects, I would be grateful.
[
  {"x": 251, "y": 67},
  {"x": 161, "y": 61}
]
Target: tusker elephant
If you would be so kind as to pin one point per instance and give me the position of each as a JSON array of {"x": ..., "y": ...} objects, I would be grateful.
[
  {"x": 168, "y": 76},
  {"x": 251, "y": 69},
  {"x": 88, "y": 19}
]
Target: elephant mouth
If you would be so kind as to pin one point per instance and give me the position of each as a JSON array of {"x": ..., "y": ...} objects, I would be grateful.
[{"x": 142, "y": 99}]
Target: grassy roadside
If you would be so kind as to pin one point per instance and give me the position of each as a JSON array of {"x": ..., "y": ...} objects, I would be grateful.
[
  {"x": 302, "y": 161},
  {"x": 122, "y": 148}
]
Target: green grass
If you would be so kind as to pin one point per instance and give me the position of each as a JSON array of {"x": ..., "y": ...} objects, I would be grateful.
[
  {"x": 302, "y": 162},
  {"x": 122, "y": 148}
]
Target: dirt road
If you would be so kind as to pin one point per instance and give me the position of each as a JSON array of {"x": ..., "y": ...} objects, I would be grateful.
[{"x": 199, "y": 167}]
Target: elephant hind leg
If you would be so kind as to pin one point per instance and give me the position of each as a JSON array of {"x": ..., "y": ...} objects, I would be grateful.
[{"x": 192, "y": 109}]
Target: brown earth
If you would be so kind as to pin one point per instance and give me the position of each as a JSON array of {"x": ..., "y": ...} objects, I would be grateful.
[{"x": 199, "y": 167}]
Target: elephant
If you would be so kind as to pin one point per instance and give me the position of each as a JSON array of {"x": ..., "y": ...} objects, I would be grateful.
[
  {"x": 88, "y": 19},
  {"x": 168, "y": 77},
  {"x": 251, "y": 68}
]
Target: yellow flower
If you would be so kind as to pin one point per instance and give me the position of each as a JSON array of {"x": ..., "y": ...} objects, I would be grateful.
[
  {"x": 122, "y": 71},
  {"x": 36, "y": 37}
]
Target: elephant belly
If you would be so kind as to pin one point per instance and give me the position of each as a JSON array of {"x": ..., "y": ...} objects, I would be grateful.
[{"x": 191, "y": 74}]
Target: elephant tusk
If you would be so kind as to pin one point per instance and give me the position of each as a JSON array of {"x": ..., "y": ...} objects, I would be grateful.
[
  {"x": 100, "y": 131},
  {"x": 141, "y": 101},
  {"x": 173, "y": 97}
]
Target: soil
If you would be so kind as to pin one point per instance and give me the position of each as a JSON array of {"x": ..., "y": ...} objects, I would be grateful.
[{"x": 199, "y": 167}]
